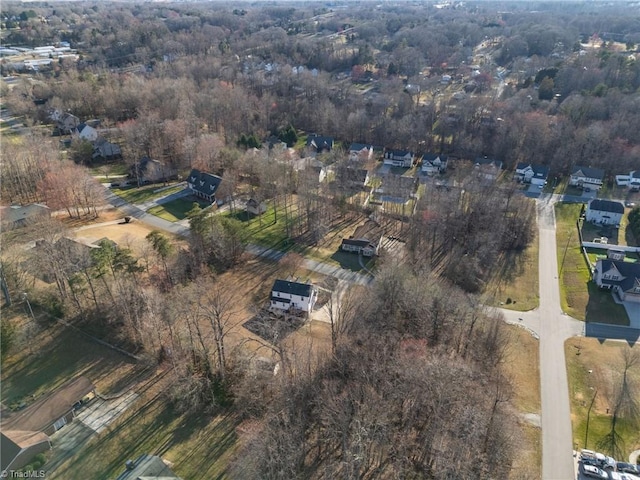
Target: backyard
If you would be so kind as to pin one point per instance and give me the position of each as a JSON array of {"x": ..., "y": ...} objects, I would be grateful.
[
  {"x": 595, "y": 372},
  {"x": 579, "y": 296}
]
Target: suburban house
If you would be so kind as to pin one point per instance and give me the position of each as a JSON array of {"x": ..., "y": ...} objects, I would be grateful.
[
  {"x": 352, "y": 177},
  {"x": 65, "y": 122},
  {"x": 606, "y": 212},
  {"x": 366, "y": 239},
  {"x": 621, "y": 277},
  {"x": 632, "y": 180},
  {"x": 530, "y": 173},
  {"x": 399, "y": 158},
  {"x": 17, "y": 448},
  {"x": 17, "y": 216},
  {"x": 104, "y": 149},
  {"x": 319, "y": 144},
  {"x": 293, "y": 296},
  {"x": 147, "y": 467},
  {"x": 487, "y": 168},
  {"x": 147, "y": 170},
  {"x": 25, "y": 432},
  {"x": 586, "y": 177},
  {"x": 360, "y": 151},
  {"x": 86, "y": 132},
  {"x": 433, "y": 163},
  {"x": 255, "y": 207},
  {"x": 203, "y": 185}
]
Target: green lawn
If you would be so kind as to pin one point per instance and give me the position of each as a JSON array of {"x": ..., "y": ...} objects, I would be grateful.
[
  {"x": 110, "y": 169},
  {"x": 175, "y": 209},
  {"x": 268, "y": 229},
  {"x": 580, "y": 298},
  {"x": 144, "y": 194}
]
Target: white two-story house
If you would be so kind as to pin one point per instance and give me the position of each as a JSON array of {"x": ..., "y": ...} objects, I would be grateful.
[
  {"x": 433, "y": 163},
  {"x": 605, "y": 212},
  {"x": 399, "y": 158},
  {"x": 586, "y": 177},
  {"x": 287, "y": 296},
  {"x": 533, "y": 174}
]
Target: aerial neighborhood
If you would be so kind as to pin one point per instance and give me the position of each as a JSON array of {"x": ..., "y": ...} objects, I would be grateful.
[{"x": 306, "y": 240}]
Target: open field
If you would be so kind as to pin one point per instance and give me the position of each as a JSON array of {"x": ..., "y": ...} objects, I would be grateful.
[
  {"x": 130, "y": 235},
  {"x": 515, "y": 284},
  {"x": 145, "y": 194},
  {"x": 177, "y": 209},
  {"x": 580, "y": 297},
  {"x": 595, "y": 372}
]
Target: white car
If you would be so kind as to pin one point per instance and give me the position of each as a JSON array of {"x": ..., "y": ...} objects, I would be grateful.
[{"x": 595, "y": 472}]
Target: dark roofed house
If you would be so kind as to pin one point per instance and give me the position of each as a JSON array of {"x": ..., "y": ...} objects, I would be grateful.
[
  {"x": 366, "y": 239},
  {"x": 530, "y": 173},
  {"x": 147, "y": 467},
  {"x": 433, "y": 163},
  {"x": 586, "y": 177},
  {"x": 399, "y": 158},
  {"x": 319, "y": 144},
  {"x": 204, "y": 185},
  {"x": 104, "y": 149},
  {"x": 293, "y": 296},
  {"x": 606, "y": 212},
  {"x": 53, "y": 411},
  {"x": 623, "y": 278}
]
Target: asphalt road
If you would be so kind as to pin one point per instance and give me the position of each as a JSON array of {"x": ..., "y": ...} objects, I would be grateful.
[{"x": 554, "y": 329}]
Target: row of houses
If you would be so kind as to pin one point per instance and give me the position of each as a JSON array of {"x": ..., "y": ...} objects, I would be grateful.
[{"x": 68, "y": 124}]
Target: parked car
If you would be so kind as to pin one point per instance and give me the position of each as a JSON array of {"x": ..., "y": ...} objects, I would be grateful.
[
  {"x": 595, "y": 472},
  {"x": 608, "y": 463},
  {"x": 626, "y": 468}
]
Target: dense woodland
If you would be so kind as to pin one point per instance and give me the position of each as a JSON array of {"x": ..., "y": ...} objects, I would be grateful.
[{"x": 198, "y": 85}]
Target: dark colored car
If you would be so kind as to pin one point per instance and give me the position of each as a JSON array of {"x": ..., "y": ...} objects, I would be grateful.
[{"x": 627, "y": 468}]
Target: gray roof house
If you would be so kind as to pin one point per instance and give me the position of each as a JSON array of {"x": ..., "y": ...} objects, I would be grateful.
[
  {"x": 366, "y": 239},
  {"x": 623, "y": 278},
  {"x": 530, "y": 173},
  {"x": 148, "y": 170},
  {"x": 586, "y": 177},
  {"x": 17, "y": 216},
  {"x": 204, "y": 185}
]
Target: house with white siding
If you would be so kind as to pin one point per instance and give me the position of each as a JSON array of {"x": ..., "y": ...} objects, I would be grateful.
[
  {"x": 399, "y": 158},
  {"x": 604, "y": 212},
  {"x": 586, "y": 177},
  {"x": 623, "y": 278},
  {"x": 293, "y": 297},
  {"x": 530, "y": 173}
]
